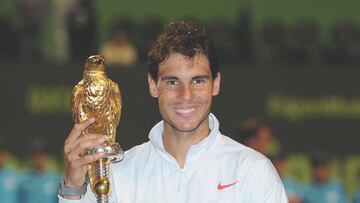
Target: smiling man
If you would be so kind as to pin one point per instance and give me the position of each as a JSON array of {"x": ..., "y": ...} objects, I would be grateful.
[
  {"x": 187, "y": 158},
  {"x": 184, "y": 88}
]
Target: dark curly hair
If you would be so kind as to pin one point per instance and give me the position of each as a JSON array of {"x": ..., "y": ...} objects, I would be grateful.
[{"x": 183, "y": 37}]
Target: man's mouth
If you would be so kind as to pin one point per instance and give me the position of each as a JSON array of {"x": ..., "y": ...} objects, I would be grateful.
[{"x": 184, "y": 111}]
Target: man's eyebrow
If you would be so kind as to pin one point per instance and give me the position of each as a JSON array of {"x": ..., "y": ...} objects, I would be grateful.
[
  {"x": 169, "y": 78},
  {"x": 201, "y": 77}
]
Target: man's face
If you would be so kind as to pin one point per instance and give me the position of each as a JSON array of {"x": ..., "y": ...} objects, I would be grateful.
[
  {"x": 3, "y": 156},
  {"x": 280, "y": 167},
  {"x": 263, "y": 140},
  {"x": 184, "y": 90},
  {"x": 322, "y": 172},
  {"x": 40, "y": 160}
]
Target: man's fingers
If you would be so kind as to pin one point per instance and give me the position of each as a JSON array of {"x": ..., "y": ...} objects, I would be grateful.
[
  {"x": 82, "y": 147},
  {"x": 87, "y": 159},
  {"x": 83, "y": 139},
  {"x": 81, "y": 162},
  {"x": 78, "y": 128}
]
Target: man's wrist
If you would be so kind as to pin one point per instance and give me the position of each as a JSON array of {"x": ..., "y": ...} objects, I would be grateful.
[{"x": 69, "y": 192}]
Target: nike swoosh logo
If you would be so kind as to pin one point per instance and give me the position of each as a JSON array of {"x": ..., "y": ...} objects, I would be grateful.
[{"x": 221, "y": 187}]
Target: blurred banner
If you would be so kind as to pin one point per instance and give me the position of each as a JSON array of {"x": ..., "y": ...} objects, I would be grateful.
[{"x": 307, "y": 108}]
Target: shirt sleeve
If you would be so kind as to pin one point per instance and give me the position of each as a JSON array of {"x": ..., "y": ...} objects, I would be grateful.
[
  {"x": 268, "y": 187},
  {"x": 63, "y": 200}
]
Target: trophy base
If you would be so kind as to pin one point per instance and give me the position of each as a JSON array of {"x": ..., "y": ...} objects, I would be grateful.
[{"x": 113, "y": 152}]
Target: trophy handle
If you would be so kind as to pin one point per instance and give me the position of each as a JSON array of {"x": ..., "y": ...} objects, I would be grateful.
[{"x": 113, "y": 152}]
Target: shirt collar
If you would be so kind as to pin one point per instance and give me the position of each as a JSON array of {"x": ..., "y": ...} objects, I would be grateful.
[{"x": 195, "y": 151}]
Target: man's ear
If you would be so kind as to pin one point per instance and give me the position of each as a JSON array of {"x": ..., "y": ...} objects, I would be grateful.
[
  {"x": 152, "y": 86},
  {"x": 216, "y": 85}
]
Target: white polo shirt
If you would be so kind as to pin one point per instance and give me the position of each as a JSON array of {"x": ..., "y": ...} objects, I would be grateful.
[{"x": 218, "y": 169}]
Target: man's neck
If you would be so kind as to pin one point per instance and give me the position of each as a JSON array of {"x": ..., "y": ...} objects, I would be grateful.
[{"x": 178, "y": 143}]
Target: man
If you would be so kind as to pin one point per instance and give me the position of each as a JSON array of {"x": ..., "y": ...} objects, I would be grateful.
[
  {"x": 187, "y": 159},
  {"x": 292, "y": 187},
  {"x": 357, "y": 197},
  {"x": 256, "y": 135},
  {"x": 323, "y": 188},
  {"x": 119, "y": 50},
  {"x": 39, "y": 184},
  {"x": 9, "y": 178}
]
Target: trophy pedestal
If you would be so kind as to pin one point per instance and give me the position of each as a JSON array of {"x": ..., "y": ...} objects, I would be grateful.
[{"x": 99, "y": 170}]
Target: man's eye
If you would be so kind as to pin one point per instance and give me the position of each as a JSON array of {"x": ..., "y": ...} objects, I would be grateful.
[
  {"x": 198, "y": 81},
  {"x": 172, "y": 82}
]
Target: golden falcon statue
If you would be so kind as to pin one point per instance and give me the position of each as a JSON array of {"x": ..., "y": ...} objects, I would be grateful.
[{"x": 99, "y": 97}]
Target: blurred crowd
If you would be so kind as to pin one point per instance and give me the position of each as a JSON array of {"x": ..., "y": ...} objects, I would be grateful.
[
  {"x": 322, "y": 187},
  {"x": 35, "y": 178},
  {"x": 75, "y": 34},
  {"x": 32, "y": 180}
]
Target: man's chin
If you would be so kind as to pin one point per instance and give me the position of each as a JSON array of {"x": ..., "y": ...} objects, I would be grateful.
[{"x": 186, "y": 130}]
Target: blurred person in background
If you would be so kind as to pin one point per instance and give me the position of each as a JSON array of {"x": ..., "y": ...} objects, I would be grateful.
[
  {"x": 59, "y": 50},
  {"x": 32, "y": 14},
  {"x": 357, "y": 197},
  {"x": 292, "y": 187},
  {"x": 323, "y": 188},
  {"x": 255, "y": 134},
  {"x": 39, "y": 184},
  {"x": 118, "y": 50},
  {"x": 147, "y": 32},
  {"x": 357, "y": 194},
  {"x": 8, "y": 178},
  {"x": 82, "y": 30},
  {"x": 9, "y": 49}
]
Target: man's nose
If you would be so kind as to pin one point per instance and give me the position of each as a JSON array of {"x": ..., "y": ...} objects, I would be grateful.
[{"x": 186, "y": 92}]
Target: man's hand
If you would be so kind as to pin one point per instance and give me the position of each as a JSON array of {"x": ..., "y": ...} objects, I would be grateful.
[{"x": 75, "y": 157}]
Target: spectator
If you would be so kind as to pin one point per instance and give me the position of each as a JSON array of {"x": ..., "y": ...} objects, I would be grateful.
[
  {"x": 292, "y": 187},
  {"x": 346, "y": 43},
  {"x": 32, "y": 13},
  {"x": 39, "y": 184},
  {"x": 59, "y": 49},
  {"x": 305, "y": 44},
  {"x": 244, "y": 38},
  {"x": 119, "y": 50},
  {"x": 255, "y": 134},
  {"x": 146, "y": 34},
  {"x": 323, "y": 188},
  {"x": 8, "y": 178},
  {"x": 273, "y": 46},
  {"x": 82, "y": 28},
  {"x": 357, "y": 197},
  {"x": 9, "y": 40}
]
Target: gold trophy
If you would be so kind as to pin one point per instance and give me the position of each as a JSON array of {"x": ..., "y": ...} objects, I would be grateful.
[{"x": 99, "y": 97}]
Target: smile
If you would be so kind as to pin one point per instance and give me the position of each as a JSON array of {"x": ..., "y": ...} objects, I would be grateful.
[{"x": 185, "y": 111}]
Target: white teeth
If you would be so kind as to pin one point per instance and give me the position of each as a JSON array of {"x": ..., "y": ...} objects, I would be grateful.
[{"x": 185, "y": 111}]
